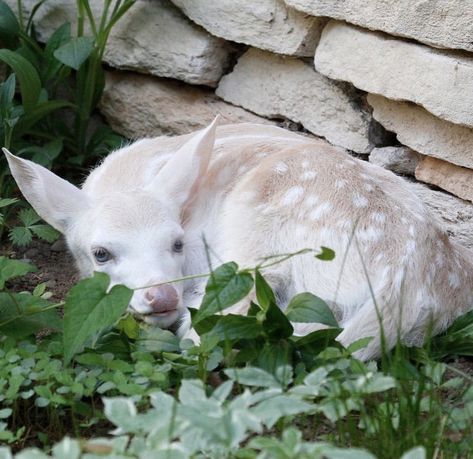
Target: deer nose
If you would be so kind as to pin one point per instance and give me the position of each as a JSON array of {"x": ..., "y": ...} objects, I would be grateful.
[{"x": 163, "y": 298}]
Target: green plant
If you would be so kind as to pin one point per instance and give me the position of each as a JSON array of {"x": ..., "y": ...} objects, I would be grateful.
[
  {"x": 249, "y": 389},
  {"x": 32, "y": 123}
]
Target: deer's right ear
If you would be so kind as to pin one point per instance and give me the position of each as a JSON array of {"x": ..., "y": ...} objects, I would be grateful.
[{"x": 54, "y": 199}]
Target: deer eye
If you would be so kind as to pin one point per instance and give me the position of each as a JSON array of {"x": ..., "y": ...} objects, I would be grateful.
[
  {"x": 101, "y": 255},
  {"x": 178, "y": 246}
]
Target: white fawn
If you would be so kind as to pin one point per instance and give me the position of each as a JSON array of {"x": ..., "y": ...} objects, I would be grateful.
[{"x": 253, "y": 191}]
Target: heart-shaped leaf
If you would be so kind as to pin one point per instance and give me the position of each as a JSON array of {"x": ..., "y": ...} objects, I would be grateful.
[
  {"x": 90, "y": 308},
  {"x": 308, "y": 308}
]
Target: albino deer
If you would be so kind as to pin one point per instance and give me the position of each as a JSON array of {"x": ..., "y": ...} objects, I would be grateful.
[{"x": 254, "y": 191}]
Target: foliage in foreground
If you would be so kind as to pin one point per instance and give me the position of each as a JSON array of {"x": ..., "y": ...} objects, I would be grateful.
[{"x": 249, "y": 390}]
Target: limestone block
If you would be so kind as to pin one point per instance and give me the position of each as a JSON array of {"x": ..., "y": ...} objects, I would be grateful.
[
  {"x": 423, "y": 132},
  {"x": 444, "y": 23},
  {"x": 455, "y": 215},
  {"x": 266, "y": 24},
  {"x": 455, "y": 179},
  {"x": 143, "y": 106},
  {"x": 400, "y": 70},
  {"x": 401, "y": 160},
  {"x": 152, "y": 37},
  {"x": 276, "y": 87}
]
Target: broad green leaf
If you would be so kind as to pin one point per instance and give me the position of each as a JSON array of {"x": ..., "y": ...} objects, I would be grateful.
[
  {"x": 415, "y": 453},
  {"x": 25, "y": 316},
  {"x": 225, "y": 288},
  {"x": 7, "y": 201},
  {"x": 276, "y": 324},
  {"x": 264, "y": 293},
  {"x": 67, "y": 449},
  {"x": 359, "y": 344},
  {"x": 75, "y": 52},
  {"x": 30, "y": 84},
  {"x": 308, "y": 308},
  {"x": 46, "y": 232},
  {"x": 90, "y": 308},
  {"x": 272, "y": 409},
  {"x": 234, "y": 327},
  {"x": 8, "y": 22},
  {"x": 6, "y": 95},
  {"x": 326, "y": 254},
  {"x": 61, "y": 36},
  {"x": 13, "y": 268},
  {"x": 129, "y": 326},
  {"x": 41, "y": 110},
  {"x": 352, "y": 453},
  {"x": 252, "y": 376},
  {"x": 153, "y": 339}
]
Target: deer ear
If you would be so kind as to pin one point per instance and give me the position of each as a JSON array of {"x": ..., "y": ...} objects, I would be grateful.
[
  {"x": 54, "y": 199},
  {"x": 180, "y": 178}
]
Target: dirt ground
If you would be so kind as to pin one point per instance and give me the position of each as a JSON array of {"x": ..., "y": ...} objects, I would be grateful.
[{"x": 55, "y": 267}]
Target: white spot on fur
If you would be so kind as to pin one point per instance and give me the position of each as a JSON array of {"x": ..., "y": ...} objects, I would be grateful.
[
  {"x": 368, "y": 187},
  {"x": 305, "y": 164},
  {"x": 399, "y": 278},
  {"x": 301, "y": 215},
  {"x": 379, "y": 257},
  {"x": 340, "y": 166},
  {"x": 320, "y": 211},
  {"x": 292, "y": 196},
  {"x": 439, "y": 260},
  {"x": 369, "y": 234},
  {"x": 308, "y": 175},
  {"x": 412, "y": 230},
  {"x": 378, "y": 217},
  {"x": 261, "y": 155},
  {"x": 360, "y": 200},
  {"x": 340, "y": 183},
  {"x": 454, "y": 280},
  {"x": 404, "y": 220},
  {"x": 410, "y": 246},
  {"x": 242, "y": 169},
  {"x": 281, "y": 168},
  {"x": 311, "y": 200}
]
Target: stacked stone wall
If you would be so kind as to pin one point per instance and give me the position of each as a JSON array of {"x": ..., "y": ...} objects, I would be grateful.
[{"x": 391, "y": 81}]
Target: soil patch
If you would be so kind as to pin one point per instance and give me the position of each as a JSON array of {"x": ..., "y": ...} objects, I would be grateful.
[{"x": 55, "y": 267}]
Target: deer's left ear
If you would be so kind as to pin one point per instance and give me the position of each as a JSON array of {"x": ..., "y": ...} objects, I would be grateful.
[
  {"x": 180, "y": 178},
  {"x": 54, "y": 199}
]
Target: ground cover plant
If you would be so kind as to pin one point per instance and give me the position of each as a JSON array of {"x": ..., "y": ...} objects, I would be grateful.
[{"x": 249, "y": 389}]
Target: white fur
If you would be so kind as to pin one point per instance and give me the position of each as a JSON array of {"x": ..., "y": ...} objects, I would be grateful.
[{"x": 239, "y": 190}]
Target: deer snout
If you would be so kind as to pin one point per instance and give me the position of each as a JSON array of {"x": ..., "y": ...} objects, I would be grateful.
[{"x": 163, "y": 298}]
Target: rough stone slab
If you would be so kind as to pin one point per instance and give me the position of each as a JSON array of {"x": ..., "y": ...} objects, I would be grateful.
[
  {"x": 455, "y": 179},
  {"x": 152, "y": 37},
  {"x": 455, "y": 215},
  {"x": 276, "y": 86},
  {"x": 144, "y": 106},
  {"x": 423, "y": 132},
  {"x": 266, "y": 24},
  {"x": 401, "y": 160},
  {"x": 444, "y": 24},
  {"x": 400, "y": 70}
]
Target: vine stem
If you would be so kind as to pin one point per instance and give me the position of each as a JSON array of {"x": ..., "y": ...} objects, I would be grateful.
[{"x": 282, "y": 258}]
